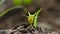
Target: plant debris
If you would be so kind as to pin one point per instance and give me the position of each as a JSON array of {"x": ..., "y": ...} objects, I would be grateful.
[{"x": 25, "y": 28}]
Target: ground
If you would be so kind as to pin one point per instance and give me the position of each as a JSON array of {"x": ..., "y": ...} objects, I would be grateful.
[{"x": 50, "y": 14}]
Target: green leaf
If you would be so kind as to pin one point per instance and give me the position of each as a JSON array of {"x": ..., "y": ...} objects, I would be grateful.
[{"x": 36, "y": 16}]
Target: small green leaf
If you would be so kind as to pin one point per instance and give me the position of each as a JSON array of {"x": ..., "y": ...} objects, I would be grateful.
[{"x": 36, "y": 16}]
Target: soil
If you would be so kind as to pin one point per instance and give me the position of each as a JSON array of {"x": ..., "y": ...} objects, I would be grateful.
[
  {"x": 49, "y": 14},
  {"x": 26, "y": 28}
]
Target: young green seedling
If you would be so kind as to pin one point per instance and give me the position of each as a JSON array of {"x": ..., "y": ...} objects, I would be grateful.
[{"x": 32, "y": 18}]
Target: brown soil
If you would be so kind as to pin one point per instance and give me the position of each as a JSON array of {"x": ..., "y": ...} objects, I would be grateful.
[{"x": 50, "y": 14}]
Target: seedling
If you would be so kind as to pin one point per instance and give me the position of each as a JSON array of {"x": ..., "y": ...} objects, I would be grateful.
[{"x": 32, "y": 18}]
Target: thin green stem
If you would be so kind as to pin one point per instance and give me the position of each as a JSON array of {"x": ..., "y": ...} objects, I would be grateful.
[{"x": 8, "y": 10}]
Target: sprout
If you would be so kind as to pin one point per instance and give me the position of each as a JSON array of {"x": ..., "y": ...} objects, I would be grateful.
[{"x": 32, "y": 18}]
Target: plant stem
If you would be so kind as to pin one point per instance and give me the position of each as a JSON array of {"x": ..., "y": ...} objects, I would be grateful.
[{"x": 8, "y": 10}]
